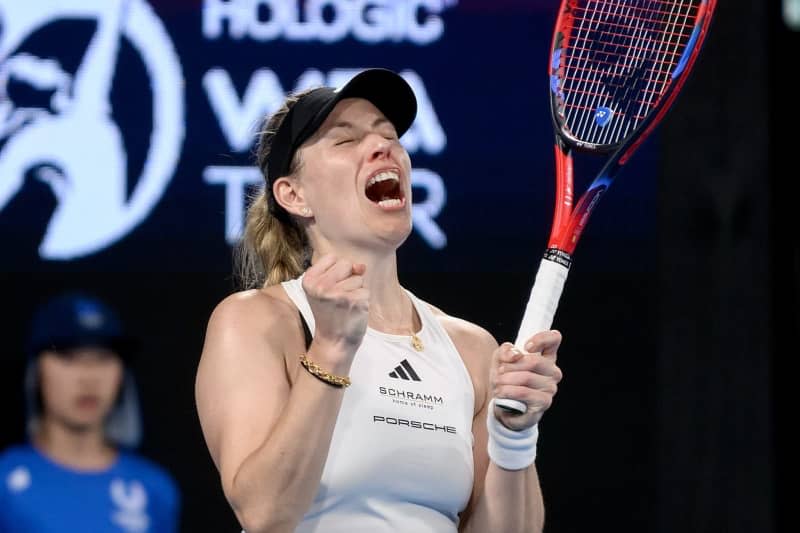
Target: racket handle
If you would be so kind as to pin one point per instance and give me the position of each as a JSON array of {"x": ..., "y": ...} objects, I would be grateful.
[{"x": 541, "y": 309}]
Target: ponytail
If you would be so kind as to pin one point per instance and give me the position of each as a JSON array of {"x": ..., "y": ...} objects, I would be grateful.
[
  {"x": 271, "y": 250},
  {"x": 273, "y": 247}
]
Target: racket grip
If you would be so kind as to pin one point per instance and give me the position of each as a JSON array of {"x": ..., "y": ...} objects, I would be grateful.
[{"x": 539, "y": 312}]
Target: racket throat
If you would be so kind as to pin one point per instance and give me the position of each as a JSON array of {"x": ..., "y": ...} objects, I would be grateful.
[{"x": 565, "y": 190}]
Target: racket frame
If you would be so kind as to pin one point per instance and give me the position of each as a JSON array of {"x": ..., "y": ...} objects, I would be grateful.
[{"x": 569, "y": 221}]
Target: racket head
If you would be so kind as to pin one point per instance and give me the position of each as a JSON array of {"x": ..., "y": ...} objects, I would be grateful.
[{"x": 616, "y": 65}]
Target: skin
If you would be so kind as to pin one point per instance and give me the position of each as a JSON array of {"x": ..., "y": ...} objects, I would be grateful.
[
  {"x": 78, "y": 391},
  {"x": 252, "y": 395}
]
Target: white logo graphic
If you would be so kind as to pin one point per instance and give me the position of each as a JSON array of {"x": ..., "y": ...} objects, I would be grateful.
[
  {"x": 130, "y": 501},
  {"x": 74, "y": 145},
  {"x": 19, "y": 479},
  {"x": 329, "y": 21}
]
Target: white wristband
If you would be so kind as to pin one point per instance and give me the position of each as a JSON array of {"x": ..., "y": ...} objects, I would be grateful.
[{"x": 509, "y": 449}]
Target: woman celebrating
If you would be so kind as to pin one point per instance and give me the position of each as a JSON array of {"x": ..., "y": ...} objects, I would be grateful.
[{"x": 331, "y": 398}]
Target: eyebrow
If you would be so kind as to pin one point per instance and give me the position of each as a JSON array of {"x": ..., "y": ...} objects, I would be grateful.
[{"x": 380, "y": 121}]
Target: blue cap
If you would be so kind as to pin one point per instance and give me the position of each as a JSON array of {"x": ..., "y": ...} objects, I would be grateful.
[{"x": 74, "y": 319}]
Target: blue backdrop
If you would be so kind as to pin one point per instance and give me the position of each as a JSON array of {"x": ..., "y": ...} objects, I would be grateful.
[
  {"x": 126, "y": 131},
  {"x": 126, "y": 128}
]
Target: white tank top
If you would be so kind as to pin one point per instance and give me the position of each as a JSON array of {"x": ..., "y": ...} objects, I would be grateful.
[{"x": 401, "y": 455}]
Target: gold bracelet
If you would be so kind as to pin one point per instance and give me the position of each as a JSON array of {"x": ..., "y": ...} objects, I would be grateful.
[{"x": 327, "y": 377}]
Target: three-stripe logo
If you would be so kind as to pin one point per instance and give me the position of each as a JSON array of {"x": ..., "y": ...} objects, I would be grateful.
[{"x": 404, "y": 371}]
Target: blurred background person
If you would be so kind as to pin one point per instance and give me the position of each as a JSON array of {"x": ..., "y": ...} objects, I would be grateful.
[{"x": 79, "y": 471}]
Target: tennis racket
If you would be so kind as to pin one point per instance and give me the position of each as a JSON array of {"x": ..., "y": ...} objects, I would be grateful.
[{"x": 615, "y": 68}]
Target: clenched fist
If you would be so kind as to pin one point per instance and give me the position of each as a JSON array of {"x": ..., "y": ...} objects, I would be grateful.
[{"x": 340, "y": 303}]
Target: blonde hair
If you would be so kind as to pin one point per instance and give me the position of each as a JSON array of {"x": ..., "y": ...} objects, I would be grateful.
[{"x": 273, "y": 247}]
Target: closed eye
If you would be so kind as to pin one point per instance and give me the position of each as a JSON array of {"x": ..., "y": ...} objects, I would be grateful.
[
  {"x": 389, "y": 133},
  {"x": 343, "y": 141}
]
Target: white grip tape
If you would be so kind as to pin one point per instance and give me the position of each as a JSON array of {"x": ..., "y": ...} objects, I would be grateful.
[
  {"x": 539, "y": 312},
  {"x": 543, "y": 302}
]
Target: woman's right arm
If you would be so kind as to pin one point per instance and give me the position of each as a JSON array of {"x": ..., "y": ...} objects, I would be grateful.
[{"x": 269, "y": 439}]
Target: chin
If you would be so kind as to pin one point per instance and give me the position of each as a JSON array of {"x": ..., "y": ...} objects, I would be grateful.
[
  {"x": 87, "y": 421},
  {"x": 399, "y": 234},
  {"x": 83, "y": 425}
]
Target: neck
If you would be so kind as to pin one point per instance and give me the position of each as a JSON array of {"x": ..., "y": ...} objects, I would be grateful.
[
  {"x": 79, "y": 448},
  {"x": 390, "y": 308}
]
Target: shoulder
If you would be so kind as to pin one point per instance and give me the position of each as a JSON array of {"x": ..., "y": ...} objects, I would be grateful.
[
  {"x": 464, "y": 333},
  {"x": 15, "y": 454},
  {"x": 475, "y": 345},
  {"x": 255, "y": 313},
  {"x": 151, "y": 474},
  {"x": 251, "y": 306},
  {"x": 473, "y": 342},
  {"x": 245, "y": 326},
  {"x": 18, "y": 463}
]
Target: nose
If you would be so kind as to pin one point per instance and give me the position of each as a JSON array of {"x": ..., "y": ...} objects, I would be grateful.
[{"x": 379, "y": 147}]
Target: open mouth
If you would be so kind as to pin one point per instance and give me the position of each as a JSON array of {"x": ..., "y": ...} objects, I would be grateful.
[{"x": 384, "y": 189}]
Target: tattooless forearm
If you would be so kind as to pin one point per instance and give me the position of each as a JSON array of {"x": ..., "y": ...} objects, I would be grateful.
[
  {"x": 276, "y": 484},
  {"x": 511, "y": 501}
]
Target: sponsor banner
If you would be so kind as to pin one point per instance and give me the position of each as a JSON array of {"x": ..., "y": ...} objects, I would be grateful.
[{"x": 127, "y": 127}]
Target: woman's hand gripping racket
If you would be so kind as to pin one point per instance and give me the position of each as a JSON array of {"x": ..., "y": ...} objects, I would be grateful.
[{"x": 615, "y": 68}]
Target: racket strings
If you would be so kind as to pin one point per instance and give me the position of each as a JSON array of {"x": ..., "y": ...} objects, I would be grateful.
[
  {"x": 588, "y": 72},
  {"x": 616, "y": 82},
  {"x": 618, "y": 63}
]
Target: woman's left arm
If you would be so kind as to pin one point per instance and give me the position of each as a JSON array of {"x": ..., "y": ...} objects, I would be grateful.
[{"x": 505, "y": 500}]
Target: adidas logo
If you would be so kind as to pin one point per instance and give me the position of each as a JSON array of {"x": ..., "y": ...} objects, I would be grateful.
[{"x": 404, "y": 371}]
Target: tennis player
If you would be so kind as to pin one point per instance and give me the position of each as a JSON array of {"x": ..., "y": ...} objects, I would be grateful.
[{"x": 332, "y": 399}]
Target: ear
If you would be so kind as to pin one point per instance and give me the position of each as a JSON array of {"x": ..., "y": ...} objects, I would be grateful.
[{"x": 289, "y": 194}]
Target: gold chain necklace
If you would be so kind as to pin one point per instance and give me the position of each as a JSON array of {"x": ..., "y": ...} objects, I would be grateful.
[{"x": 416, "y": 342}]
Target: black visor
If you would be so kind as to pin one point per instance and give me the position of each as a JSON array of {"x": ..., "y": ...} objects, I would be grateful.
[{"x": 385, "y": 89}]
